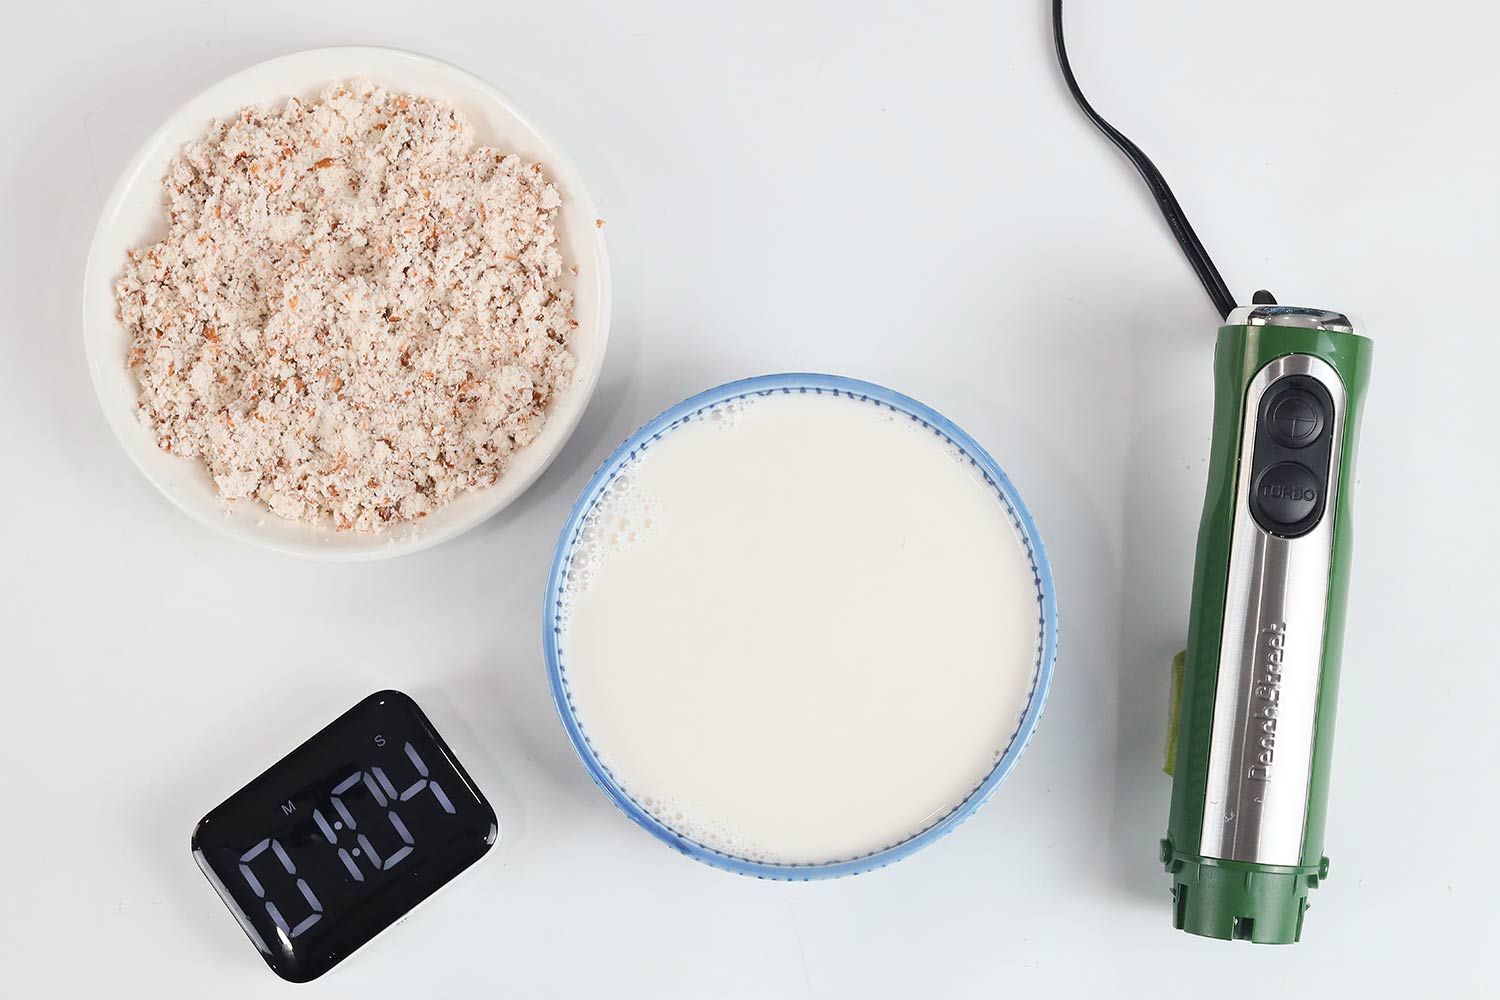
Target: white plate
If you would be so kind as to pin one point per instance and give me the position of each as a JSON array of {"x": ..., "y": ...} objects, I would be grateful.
[{"x": 135, "y": 215}]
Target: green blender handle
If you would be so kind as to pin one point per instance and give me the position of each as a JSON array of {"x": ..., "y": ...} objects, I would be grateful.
[{"x": 1244, "y": 841}]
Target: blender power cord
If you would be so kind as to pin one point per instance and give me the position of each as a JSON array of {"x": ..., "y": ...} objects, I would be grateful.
[{"x": 1171, "y": 209}]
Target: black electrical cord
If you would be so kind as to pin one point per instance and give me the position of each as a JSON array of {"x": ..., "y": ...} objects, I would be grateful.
[{"x": 1198, "y": 257}]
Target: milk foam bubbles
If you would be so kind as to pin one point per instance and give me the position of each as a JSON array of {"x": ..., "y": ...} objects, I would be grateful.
[
  {"x": 618, "y": 522},
  {"x": 799, "y": 628}
]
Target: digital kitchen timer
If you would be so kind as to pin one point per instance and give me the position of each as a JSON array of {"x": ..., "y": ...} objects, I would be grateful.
[{"x": 344, "y": 835}]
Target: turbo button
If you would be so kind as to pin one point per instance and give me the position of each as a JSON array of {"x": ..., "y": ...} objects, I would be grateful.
[{"x": 1285, "y": 494}]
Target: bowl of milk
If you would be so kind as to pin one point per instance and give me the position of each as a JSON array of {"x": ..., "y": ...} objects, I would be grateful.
[{"x": 799, "y": 626}]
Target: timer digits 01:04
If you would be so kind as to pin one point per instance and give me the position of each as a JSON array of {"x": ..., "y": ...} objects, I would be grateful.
[{"x": 344, "y": 836}]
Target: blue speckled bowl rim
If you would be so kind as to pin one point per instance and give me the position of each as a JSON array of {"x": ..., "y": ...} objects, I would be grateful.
[{"x": 766, "y": 385}]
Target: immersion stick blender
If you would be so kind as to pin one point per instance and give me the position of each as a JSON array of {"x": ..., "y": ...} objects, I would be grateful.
[{"x": 1244, "y": 840}]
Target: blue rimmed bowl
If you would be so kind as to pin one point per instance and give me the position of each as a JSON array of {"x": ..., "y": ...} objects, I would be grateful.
[{"x": 694, "y": 408}]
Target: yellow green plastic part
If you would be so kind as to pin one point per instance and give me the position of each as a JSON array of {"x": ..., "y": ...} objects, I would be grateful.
[{"x": 1174, "y": 708}]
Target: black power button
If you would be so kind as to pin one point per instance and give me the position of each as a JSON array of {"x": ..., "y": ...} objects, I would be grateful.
[
  {"x": 1286, "y": 494},
  {"x": 1295, "y": 418}
]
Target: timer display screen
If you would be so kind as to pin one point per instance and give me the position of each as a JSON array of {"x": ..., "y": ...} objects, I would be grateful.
[{"x": 344, "y": 836}]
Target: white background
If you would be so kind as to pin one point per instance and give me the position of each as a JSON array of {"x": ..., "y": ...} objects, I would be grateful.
[{"x": 900, "y": 193}]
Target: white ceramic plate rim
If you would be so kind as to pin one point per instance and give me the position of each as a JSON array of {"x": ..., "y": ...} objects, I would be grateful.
[{"x": 303, "y": 73}]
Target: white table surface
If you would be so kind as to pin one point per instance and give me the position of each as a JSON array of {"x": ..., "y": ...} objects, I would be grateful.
[{"x": 901, "y": 193}]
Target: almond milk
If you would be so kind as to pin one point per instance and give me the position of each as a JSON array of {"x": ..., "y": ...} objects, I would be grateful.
[{"x": 799, "y": 629}]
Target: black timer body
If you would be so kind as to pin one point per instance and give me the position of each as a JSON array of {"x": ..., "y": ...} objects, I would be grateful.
[{"x": 344, "y": 835}]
